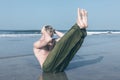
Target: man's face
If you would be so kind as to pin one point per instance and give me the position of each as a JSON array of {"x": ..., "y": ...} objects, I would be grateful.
[{"x": 43, "y": 30}]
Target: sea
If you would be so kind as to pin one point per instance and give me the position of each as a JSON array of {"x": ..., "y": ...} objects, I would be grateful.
[
  {"x": 32, "y": 33},
  {"x": 97, "y": 59},
  {"x": 18, "y": 43}
]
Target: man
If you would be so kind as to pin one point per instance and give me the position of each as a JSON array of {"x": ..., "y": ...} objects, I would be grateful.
[{"x": 46, "y": 43}]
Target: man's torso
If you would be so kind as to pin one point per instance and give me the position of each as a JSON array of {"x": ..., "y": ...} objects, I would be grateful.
[{"x": 43, "y": 52}]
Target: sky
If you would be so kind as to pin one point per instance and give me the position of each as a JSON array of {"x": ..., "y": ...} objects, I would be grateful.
[{"x": 61, "y": 14}]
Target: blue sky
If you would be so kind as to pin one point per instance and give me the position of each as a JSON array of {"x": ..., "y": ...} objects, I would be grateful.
[{"x": 33, "y": 14}]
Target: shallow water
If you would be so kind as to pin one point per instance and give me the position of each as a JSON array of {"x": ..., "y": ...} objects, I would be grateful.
[{"x": 98, "y": 59}]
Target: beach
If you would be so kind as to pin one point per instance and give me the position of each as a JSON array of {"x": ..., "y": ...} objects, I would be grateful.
[{"x": 97, "y": 59}]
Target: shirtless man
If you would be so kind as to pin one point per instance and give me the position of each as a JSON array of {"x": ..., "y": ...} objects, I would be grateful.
[{"x": 46, "y": 43}]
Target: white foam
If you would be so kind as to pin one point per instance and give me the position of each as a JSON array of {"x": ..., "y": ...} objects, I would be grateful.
[
  {"x": 33, "y": 35},
  {"x": 115, "y": 32},
  {"x": 92, "y": 33},
  {"x": 107, "y": 32},
  {"x": 18, "y": 35}
]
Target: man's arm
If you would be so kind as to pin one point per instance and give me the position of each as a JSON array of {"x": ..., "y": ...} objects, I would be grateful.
[
  {"x": 59, "y": 34},
  {"x": 40, "y": 43},
  {"x": 43, "y": 41}
]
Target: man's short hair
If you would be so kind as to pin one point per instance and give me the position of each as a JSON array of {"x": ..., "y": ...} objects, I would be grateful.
[{"x": 49, "y": 29}]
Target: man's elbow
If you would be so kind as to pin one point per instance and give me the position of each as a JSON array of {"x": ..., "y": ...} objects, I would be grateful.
[{"x": 35, "y": 45}]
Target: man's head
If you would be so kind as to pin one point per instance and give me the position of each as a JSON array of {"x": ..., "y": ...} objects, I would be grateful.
[{"x": 49, "y": 29}]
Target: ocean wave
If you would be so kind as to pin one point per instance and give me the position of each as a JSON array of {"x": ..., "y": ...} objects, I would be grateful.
[
  {"x": 18, "y": 35},
  {"x": 35, "y": 35},
  {"x": 98, "y": 33}
]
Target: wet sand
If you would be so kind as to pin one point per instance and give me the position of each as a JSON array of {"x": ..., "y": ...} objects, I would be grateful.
[{"x": 98, "y": 59}]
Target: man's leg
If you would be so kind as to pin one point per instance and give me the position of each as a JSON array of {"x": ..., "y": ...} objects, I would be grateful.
[
  {"x": 73, "y": 51},
  {"x": 62, "y": 50},
  {"x": 66, "y": 48}
]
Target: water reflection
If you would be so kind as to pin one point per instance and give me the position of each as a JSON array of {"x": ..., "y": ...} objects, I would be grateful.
[
  {"x": 51, "y": 76},
  {"x": 73, "y": 65}
]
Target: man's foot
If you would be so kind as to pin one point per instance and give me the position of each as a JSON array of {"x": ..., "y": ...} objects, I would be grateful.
[
  {"x": 79, "y": 19},
  {"x": 82, "y": 18}
]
